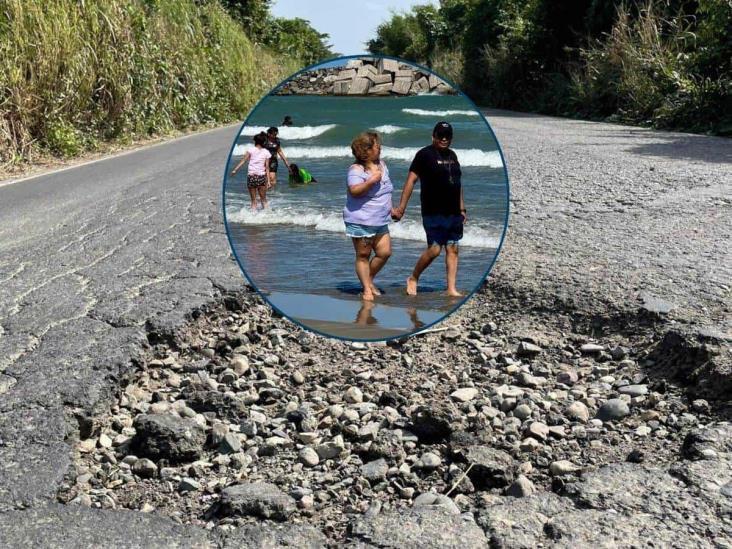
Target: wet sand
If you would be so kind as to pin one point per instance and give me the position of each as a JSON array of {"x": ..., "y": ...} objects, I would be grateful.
[{"x": 352, "y": 318}]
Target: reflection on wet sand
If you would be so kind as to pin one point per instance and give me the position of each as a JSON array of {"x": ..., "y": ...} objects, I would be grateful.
[
  {"x": 352, "y": 318},
  {"x": 365, "y": 316}
]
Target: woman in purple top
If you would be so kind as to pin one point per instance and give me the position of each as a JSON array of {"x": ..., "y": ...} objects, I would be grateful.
[{"x": 368, "y": 210}]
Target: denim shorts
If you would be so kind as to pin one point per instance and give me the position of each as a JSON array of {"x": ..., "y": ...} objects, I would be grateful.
[
  {"x": 356, "y": 230},
  {"x": 443, "y": 229}
]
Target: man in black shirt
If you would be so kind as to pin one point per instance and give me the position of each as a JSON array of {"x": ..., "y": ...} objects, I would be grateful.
[{"x": 441, "y": 200}]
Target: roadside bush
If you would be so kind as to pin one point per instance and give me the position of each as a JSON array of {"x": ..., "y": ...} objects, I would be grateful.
[{"x": 72, "y": 72}]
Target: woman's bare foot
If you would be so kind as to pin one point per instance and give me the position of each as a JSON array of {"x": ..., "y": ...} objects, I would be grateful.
[
  {"x": 455, "y": 293},
  {"x": 375, "y": 290},
  {"x": 367, "y": 295},
  {"x": 411, "y": 285}
]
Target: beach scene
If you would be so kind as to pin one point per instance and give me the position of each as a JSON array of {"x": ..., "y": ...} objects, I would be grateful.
[{"x": 296, "y": 252}]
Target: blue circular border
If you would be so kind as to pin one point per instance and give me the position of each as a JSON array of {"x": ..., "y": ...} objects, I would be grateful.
[{"x": 465, "y": 299}]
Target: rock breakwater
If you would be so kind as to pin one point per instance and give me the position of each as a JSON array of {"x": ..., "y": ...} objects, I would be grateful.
[{"x": 372, "y": 77}]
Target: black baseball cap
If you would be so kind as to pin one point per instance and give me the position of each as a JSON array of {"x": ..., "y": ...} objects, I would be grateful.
[{"x": 442, "y": 129}]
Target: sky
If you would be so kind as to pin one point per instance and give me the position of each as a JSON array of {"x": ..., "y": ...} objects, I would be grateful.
[{"x": 349, "y": 24}]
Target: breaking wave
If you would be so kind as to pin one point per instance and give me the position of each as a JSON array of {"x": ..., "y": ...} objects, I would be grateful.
[{"x": 474, "y": 236}]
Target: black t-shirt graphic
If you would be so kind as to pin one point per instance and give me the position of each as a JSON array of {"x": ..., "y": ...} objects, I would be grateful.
[
  {"x": 272, "y": 145},
  {"x": 439, "y": 175}
]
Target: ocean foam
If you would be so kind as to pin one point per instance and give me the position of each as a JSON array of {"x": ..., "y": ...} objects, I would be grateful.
[
  {"x": 423, "y": 112},
  {"x": 290, "y": 132},
  {"x": 467, "y": 157},
  {"x": 474, "y": 236},
  {"x": 388, "y": 128}
]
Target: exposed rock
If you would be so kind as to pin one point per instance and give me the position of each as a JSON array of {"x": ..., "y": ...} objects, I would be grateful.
[
  {"x": 489, "y": 467},
  {"x": 375, "y": 470},
  {"x": 538, "y": 430},
  {"x": 271, "y": 536},
  {"x": 431, "y": 423},
  {"x": 562, "y": 467},
  {"x": 145, "y": 468},
  {"x": 309, "y": 457},
  {"x": 716, "y": 437},
  {"x": 465, "y": 394},
  {"x": 258, "y": 499},
  {"x": 429, "y": 527},
  {"x": 519, "y": 522},
  {"x": 613, "y": 409},
  {"x": 168, "y": 437},
  {"x": 521, "y": 488},
  {"x": 633, "y": 390},
  {"x": 387, "y": 65},
  {"x": 224, "y": 405},
  {"x": 591, "y": 348},
  {"x": 527, "y": 349},
  {"x": 359, "y": 86},
  {"x": 402, "y": 85},
  {"x": 430, "y": 499},
  {"x": 577, "y": 410}
]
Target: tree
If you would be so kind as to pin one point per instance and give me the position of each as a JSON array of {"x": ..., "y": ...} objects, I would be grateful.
[
  {"x": 295, "y": 37},
  {"x": 254, "y": 16}
]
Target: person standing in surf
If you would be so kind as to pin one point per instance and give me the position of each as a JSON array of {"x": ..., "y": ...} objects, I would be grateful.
[
  {"x": 368, "y": 210},
  {"x": 257, "y": 171},
  {"x": 275, "y": 149},
  {"x": 442, "y": 204}
]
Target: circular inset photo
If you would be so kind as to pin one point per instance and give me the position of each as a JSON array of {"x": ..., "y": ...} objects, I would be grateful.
[{"x": 366, "y": 198}]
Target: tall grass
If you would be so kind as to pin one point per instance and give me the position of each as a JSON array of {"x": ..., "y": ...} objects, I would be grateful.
[
  {"x": 448, "y": 63},
  {"x": 73, "y": 72},
  {"x": 644, "y": 72}
]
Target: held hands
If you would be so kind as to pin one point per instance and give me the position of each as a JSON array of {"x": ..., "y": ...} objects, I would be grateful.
[{"x": 397, "y": 213}]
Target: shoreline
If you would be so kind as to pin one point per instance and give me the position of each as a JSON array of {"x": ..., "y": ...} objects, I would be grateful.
[{"x": 351, "y": 318}]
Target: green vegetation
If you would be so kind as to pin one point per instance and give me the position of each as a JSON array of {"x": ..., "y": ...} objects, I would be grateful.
[
  {"x": 291, "y": 37},
  {"x": 663, "y": 63},
  {"x": 74, "y": 73}
]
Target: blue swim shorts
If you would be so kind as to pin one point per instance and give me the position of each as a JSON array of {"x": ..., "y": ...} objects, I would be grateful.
[
  {"x": 356, "y": 230},
  {"x": 443, "y": 229}
]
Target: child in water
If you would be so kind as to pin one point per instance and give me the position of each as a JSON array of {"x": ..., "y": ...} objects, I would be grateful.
[{"x": 300, "y": 176}]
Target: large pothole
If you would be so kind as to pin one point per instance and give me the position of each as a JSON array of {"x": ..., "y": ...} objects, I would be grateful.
[{"x": 243, "y": 416}]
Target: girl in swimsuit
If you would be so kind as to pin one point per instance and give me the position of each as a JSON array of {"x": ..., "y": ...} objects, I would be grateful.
[{"x": 275, "y": 149}]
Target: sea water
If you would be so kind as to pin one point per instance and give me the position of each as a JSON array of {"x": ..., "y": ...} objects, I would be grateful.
[{"x": 298, "y": 246}]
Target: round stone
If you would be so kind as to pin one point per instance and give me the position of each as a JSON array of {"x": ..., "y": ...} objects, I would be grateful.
[
  {"x": 309, "y": 457},
  {"x": 578, "y": 411},
  {"x": 522, "y": 411},
  {"x": 613, "y": 409},
  {"x": 430, "y": 460}
]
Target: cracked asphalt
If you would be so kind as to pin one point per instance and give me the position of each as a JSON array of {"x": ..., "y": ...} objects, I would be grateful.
[{"x": 604, "y": 218}]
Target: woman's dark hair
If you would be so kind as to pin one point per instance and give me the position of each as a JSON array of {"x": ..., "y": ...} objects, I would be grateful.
[
  {"x": 295, "y": 171},
  {"x": 287, "y": 121},
  {"x": 260, "y": 139},
  {"x": 273, "y": 130}
]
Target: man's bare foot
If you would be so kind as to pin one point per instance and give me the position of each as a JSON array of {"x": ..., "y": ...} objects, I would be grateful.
[
  {"x": 375, "y": 290},
  {"x": 411, "y": 285},
  {"x": 455, "y": 293}
]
